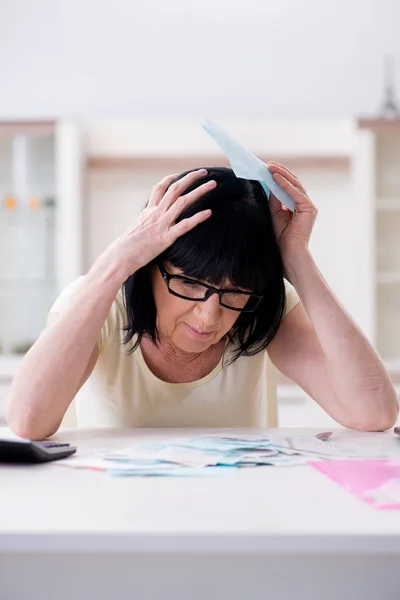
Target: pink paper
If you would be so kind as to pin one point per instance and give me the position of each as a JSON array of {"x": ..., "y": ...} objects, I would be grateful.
[{"x": 376, "y": 482}]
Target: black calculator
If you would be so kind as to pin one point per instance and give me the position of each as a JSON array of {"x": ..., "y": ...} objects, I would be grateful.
[{"x": 26, "y": 451}]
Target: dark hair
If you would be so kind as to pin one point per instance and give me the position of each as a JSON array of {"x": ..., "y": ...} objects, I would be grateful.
[{"x": 237, "y": 243}]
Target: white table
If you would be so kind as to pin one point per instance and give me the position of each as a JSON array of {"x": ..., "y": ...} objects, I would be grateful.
[{"x": 269, "y": 532}]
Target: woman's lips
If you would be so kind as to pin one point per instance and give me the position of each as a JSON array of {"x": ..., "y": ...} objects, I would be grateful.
[{"x": 198, "y": 334}]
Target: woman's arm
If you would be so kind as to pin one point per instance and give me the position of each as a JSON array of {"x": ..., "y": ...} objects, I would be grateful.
[
  {"x": 321, "y": 348},
  {"x": 57, "y": 365},
  {"x": 319, "y": 345}
]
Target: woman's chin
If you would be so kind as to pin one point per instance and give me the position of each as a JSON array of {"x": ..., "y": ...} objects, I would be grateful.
[
  {"x": 187, "y": 343},
  {"x": 193, "y": 347}
]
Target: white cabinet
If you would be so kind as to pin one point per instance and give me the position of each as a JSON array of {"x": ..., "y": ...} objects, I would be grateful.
[
  {"x": 379, "y": 184},
  {"x": 40, "y": 225}
]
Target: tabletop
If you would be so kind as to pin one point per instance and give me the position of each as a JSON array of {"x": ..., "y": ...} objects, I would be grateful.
[{"x": 287, "y": 509}]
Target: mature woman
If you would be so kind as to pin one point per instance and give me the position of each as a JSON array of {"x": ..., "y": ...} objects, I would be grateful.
[{"x": 171, "y": 325}]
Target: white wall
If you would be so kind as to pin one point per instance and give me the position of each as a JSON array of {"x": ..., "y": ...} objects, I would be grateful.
[{"x": 223, "y": 58}]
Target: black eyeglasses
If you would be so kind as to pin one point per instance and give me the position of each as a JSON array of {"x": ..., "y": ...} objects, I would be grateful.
[{"x": 191, "y": 289}]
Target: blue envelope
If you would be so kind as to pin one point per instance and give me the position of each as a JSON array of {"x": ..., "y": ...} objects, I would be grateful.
[{"x": 245, "y": 165}]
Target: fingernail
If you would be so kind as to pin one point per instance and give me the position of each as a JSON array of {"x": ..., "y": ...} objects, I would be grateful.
[
  {"x": 212, "y": 183},
  {"x": 202, "y": 171}
]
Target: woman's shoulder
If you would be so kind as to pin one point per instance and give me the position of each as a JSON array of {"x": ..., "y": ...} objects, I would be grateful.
[{"x": 117, "y": 309}]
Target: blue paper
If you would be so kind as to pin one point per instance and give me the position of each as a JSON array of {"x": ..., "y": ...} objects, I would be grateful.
[
  {"x": 245, "y": 165},
  {"x": 173, "y": 471}
]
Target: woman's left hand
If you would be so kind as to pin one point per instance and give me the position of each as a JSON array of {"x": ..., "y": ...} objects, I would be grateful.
[{"x": 293, "y": 230}]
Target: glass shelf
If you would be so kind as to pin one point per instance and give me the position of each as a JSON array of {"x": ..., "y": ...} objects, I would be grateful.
[{"x": 27, "y": 238}]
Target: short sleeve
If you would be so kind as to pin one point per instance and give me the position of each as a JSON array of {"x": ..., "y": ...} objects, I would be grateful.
[
  {"x": 115, "y": 319},
  {"x": 67, "y": 295},
  {"x": 292, "y": 297}
]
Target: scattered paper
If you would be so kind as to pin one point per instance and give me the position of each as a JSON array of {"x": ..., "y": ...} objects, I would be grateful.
[
  {"x": 309, "y": 445},
  {"x": 213, "y": 455}
]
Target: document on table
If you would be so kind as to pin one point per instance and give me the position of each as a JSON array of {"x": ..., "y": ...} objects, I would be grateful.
[{"x": 215, "y": 455}]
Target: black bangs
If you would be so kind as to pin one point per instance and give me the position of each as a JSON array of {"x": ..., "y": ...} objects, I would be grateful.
[{"x": 236, "y": 243}]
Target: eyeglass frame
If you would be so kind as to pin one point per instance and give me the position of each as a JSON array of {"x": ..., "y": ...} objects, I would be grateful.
[{"x": 210, "y": 291}]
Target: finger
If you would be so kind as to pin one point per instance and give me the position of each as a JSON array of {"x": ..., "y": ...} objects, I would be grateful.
[
  {"x": 276, "y": 206},
  {"x": 301, "y": 200},
  {"x": 158, "y": 191},
  {"x": 274, "y": 167},
  {"x": 177, "y": 188},
  {"x": 277, "y": 168},
  {"x": 280, "y": 217},
  {"x": 187, "y": 224},
  {"x": 186, "y": 200}
]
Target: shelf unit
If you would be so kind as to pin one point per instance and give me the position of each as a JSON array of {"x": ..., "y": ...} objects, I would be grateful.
[
  {"x": 380, "y": 149},
  {"x": 40, "y": 224},
  {"x": 308, "y": 161}
]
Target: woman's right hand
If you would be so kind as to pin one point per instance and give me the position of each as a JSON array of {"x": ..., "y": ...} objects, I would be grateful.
[{"x": 156, "y": 228}]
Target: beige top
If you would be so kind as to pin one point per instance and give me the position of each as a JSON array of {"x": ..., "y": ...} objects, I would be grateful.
[{"x": 123, "y": 392}]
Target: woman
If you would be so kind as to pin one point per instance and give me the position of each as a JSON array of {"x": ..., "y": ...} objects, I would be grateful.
[{"x": 171, "y": 325}]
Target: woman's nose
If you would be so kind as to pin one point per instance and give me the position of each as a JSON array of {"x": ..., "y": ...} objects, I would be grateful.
[{"x": 209, "y": 310}]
